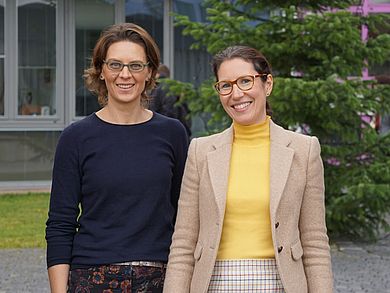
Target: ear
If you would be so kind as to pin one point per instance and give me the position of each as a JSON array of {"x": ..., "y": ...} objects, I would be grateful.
[{"x": 269, "y": 84}]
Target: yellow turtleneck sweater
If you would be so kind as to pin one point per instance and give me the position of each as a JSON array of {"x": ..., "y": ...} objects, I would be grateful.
[{"x": 246, "y": 232}]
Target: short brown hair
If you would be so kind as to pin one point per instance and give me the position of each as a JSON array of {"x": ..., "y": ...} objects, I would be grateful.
[
  {"x": 248, "y": 54},
  {"x": 117, "y": 33}
]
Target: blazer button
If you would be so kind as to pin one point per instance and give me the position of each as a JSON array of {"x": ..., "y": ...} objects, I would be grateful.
[
  {"x": 276, "y": 225},
  {"x": 280, "y": 248}
]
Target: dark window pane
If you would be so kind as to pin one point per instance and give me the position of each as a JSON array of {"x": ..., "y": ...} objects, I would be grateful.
[
  {"x": 190, "y": 65},
  {"x": 37, "y": 58},
  {"x": 92, "y": 16},
  {"x": 149, "y": 15}
]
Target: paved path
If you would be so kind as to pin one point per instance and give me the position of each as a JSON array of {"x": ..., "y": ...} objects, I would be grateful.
[{"x": 358, "y": 268}]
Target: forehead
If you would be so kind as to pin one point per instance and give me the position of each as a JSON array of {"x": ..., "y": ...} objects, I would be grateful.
[
  {"x": 234, "y": 68},
  {"x": 126, "y": 51}
]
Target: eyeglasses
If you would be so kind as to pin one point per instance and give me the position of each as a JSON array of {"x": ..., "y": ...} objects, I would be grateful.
[
  {"x": 117, "y": 66},
  {"x": 244, "y": 83}
]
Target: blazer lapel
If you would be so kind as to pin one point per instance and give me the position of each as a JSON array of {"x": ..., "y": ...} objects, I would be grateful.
[
  {"x": 218, "y": 165},
  {"x": 281, "y": 158}
]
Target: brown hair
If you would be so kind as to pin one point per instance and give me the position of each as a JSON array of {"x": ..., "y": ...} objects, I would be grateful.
[
  {"x": 248, "y": 54},
  {"x": 117, "y": 33}
]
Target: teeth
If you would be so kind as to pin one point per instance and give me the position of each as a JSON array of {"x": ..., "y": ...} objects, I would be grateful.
[
  {"x": 124, "y": 86},
  {"x": 241, "y": 106}
]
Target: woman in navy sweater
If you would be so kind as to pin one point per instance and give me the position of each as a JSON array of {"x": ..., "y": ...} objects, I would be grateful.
[{"x": 116, "y": 177}]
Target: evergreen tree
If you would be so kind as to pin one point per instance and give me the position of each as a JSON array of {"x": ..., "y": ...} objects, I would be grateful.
[{"x": 317, "y": 55}]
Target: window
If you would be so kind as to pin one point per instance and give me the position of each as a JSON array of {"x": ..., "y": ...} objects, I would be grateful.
[
  {"x": 36, "y": 58},
  {"x": 92, "y": 16},
  {"x": 149, "y": 15},
  {"x": 2, "y": 57},
  {"x": 383, "y": 70},
  {"x": 190, "y": 65}
]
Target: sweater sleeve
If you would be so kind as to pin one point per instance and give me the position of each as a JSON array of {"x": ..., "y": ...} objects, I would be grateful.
[
  {"x": 64, "y": 200},
  {"x": 181, "y": 148}
]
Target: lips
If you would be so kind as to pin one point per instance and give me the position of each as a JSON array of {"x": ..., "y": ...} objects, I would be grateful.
[
  {"x": 241, "y": 106},
  {"x": 124, "y": 86}
]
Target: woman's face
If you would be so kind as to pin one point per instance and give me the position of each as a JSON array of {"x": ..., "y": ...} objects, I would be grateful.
[
  {"x": 125, "y": 86},
  {"x": 244, "y": 107}
]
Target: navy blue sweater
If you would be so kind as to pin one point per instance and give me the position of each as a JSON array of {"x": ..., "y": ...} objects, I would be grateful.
[{"x": 124, "y": 182}]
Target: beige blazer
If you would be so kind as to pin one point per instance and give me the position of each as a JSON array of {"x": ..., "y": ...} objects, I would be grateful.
[{"x": 296, "y": 207}]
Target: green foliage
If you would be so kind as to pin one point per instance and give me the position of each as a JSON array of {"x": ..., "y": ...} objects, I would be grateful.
[{"x": 324, "y": 48}]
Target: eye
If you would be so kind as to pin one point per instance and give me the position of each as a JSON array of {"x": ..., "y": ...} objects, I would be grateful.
[
  {"x": 136, "y": 66},
  {"x": 114, "y": 65},
  {"x": 223, "y": 85},
  {"x": 245, "y": 80}
]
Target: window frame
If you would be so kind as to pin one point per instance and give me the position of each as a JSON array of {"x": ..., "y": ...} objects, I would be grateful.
[{"x": 12, "y": 121}]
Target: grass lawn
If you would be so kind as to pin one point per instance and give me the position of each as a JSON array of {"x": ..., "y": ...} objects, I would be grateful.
[{"x": 22, "y": 220}]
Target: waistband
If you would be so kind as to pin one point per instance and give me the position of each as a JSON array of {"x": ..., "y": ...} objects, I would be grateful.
[{"x": 155, "y": 264}]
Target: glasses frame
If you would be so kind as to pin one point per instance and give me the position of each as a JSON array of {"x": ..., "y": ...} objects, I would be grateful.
[
  {"x": 123, "y": 65},
  {"x": 234, "y": 82}
]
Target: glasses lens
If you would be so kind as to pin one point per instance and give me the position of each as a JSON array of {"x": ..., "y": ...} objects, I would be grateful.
[
  {"x": 115, "y": 65},
  {"x": 245, "y": 82},
  {"x": 136, "y": 66},
  {"x": 224, "y": 87}
]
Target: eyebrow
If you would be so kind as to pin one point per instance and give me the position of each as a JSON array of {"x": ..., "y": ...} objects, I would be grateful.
[{"x": 114, "y": 59}]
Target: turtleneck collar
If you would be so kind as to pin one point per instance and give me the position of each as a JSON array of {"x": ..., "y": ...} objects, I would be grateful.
[{"x": 252, "y": 135}]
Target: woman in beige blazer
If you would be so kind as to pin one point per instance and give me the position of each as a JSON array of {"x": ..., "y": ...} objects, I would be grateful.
[{"x": 283, "y": 245}]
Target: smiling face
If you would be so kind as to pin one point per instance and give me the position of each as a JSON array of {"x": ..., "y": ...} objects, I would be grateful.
[
  {"x": 244, "y": 107},
  {"x": 125, "y": 87}
]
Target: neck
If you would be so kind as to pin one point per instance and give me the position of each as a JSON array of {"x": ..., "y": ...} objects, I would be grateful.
[{"x": 124, "y": 115}]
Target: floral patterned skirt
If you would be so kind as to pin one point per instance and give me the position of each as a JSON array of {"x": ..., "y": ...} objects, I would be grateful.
[{"x": 117, "y": 278}]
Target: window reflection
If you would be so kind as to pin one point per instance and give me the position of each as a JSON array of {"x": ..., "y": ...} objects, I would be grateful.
[
  {"x": 27, "y": 155},
  {"x": 37, "y": 58},
  {"x": 92, "y": 16}
]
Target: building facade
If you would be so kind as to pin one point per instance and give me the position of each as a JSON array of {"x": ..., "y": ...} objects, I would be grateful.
[{"x": 45, "y": 45}]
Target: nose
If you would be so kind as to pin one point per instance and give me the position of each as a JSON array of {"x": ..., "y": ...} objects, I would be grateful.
[
  {"x": 236, "y": 92},
  {"x": 125, "y": 72}
]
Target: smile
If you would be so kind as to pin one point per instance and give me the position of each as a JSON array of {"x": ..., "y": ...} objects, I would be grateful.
[
  {"x": 124, "y": 86},
  {"x": 241, "y": 105}
]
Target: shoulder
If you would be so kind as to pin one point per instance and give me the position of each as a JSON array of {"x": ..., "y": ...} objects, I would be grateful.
[
  {"x": 205, "y": 144},
  {"x": 220, "y": 138},
  {"x": 169, "y": 127},
  {"x": 167, "y": 122},
  {"x": 79, "y": 128},
  {"x": 295, "y": 140}
]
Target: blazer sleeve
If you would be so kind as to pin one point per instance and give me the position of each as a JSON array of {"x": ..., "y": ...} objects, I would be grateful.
[
  {"x": 181, "y": 258},
  {"x": 312, "y": 225}
]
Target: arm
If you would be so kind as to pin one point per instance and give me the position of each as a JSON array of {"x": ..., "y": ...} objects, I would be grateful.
[
  {"x": 316, "y": 251},
  {"x": 181, "y": 150},
  {"x": 181, "y": 257},
  {"x": 58, "y": 278},
  {"x": 63, "y": 212}
]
